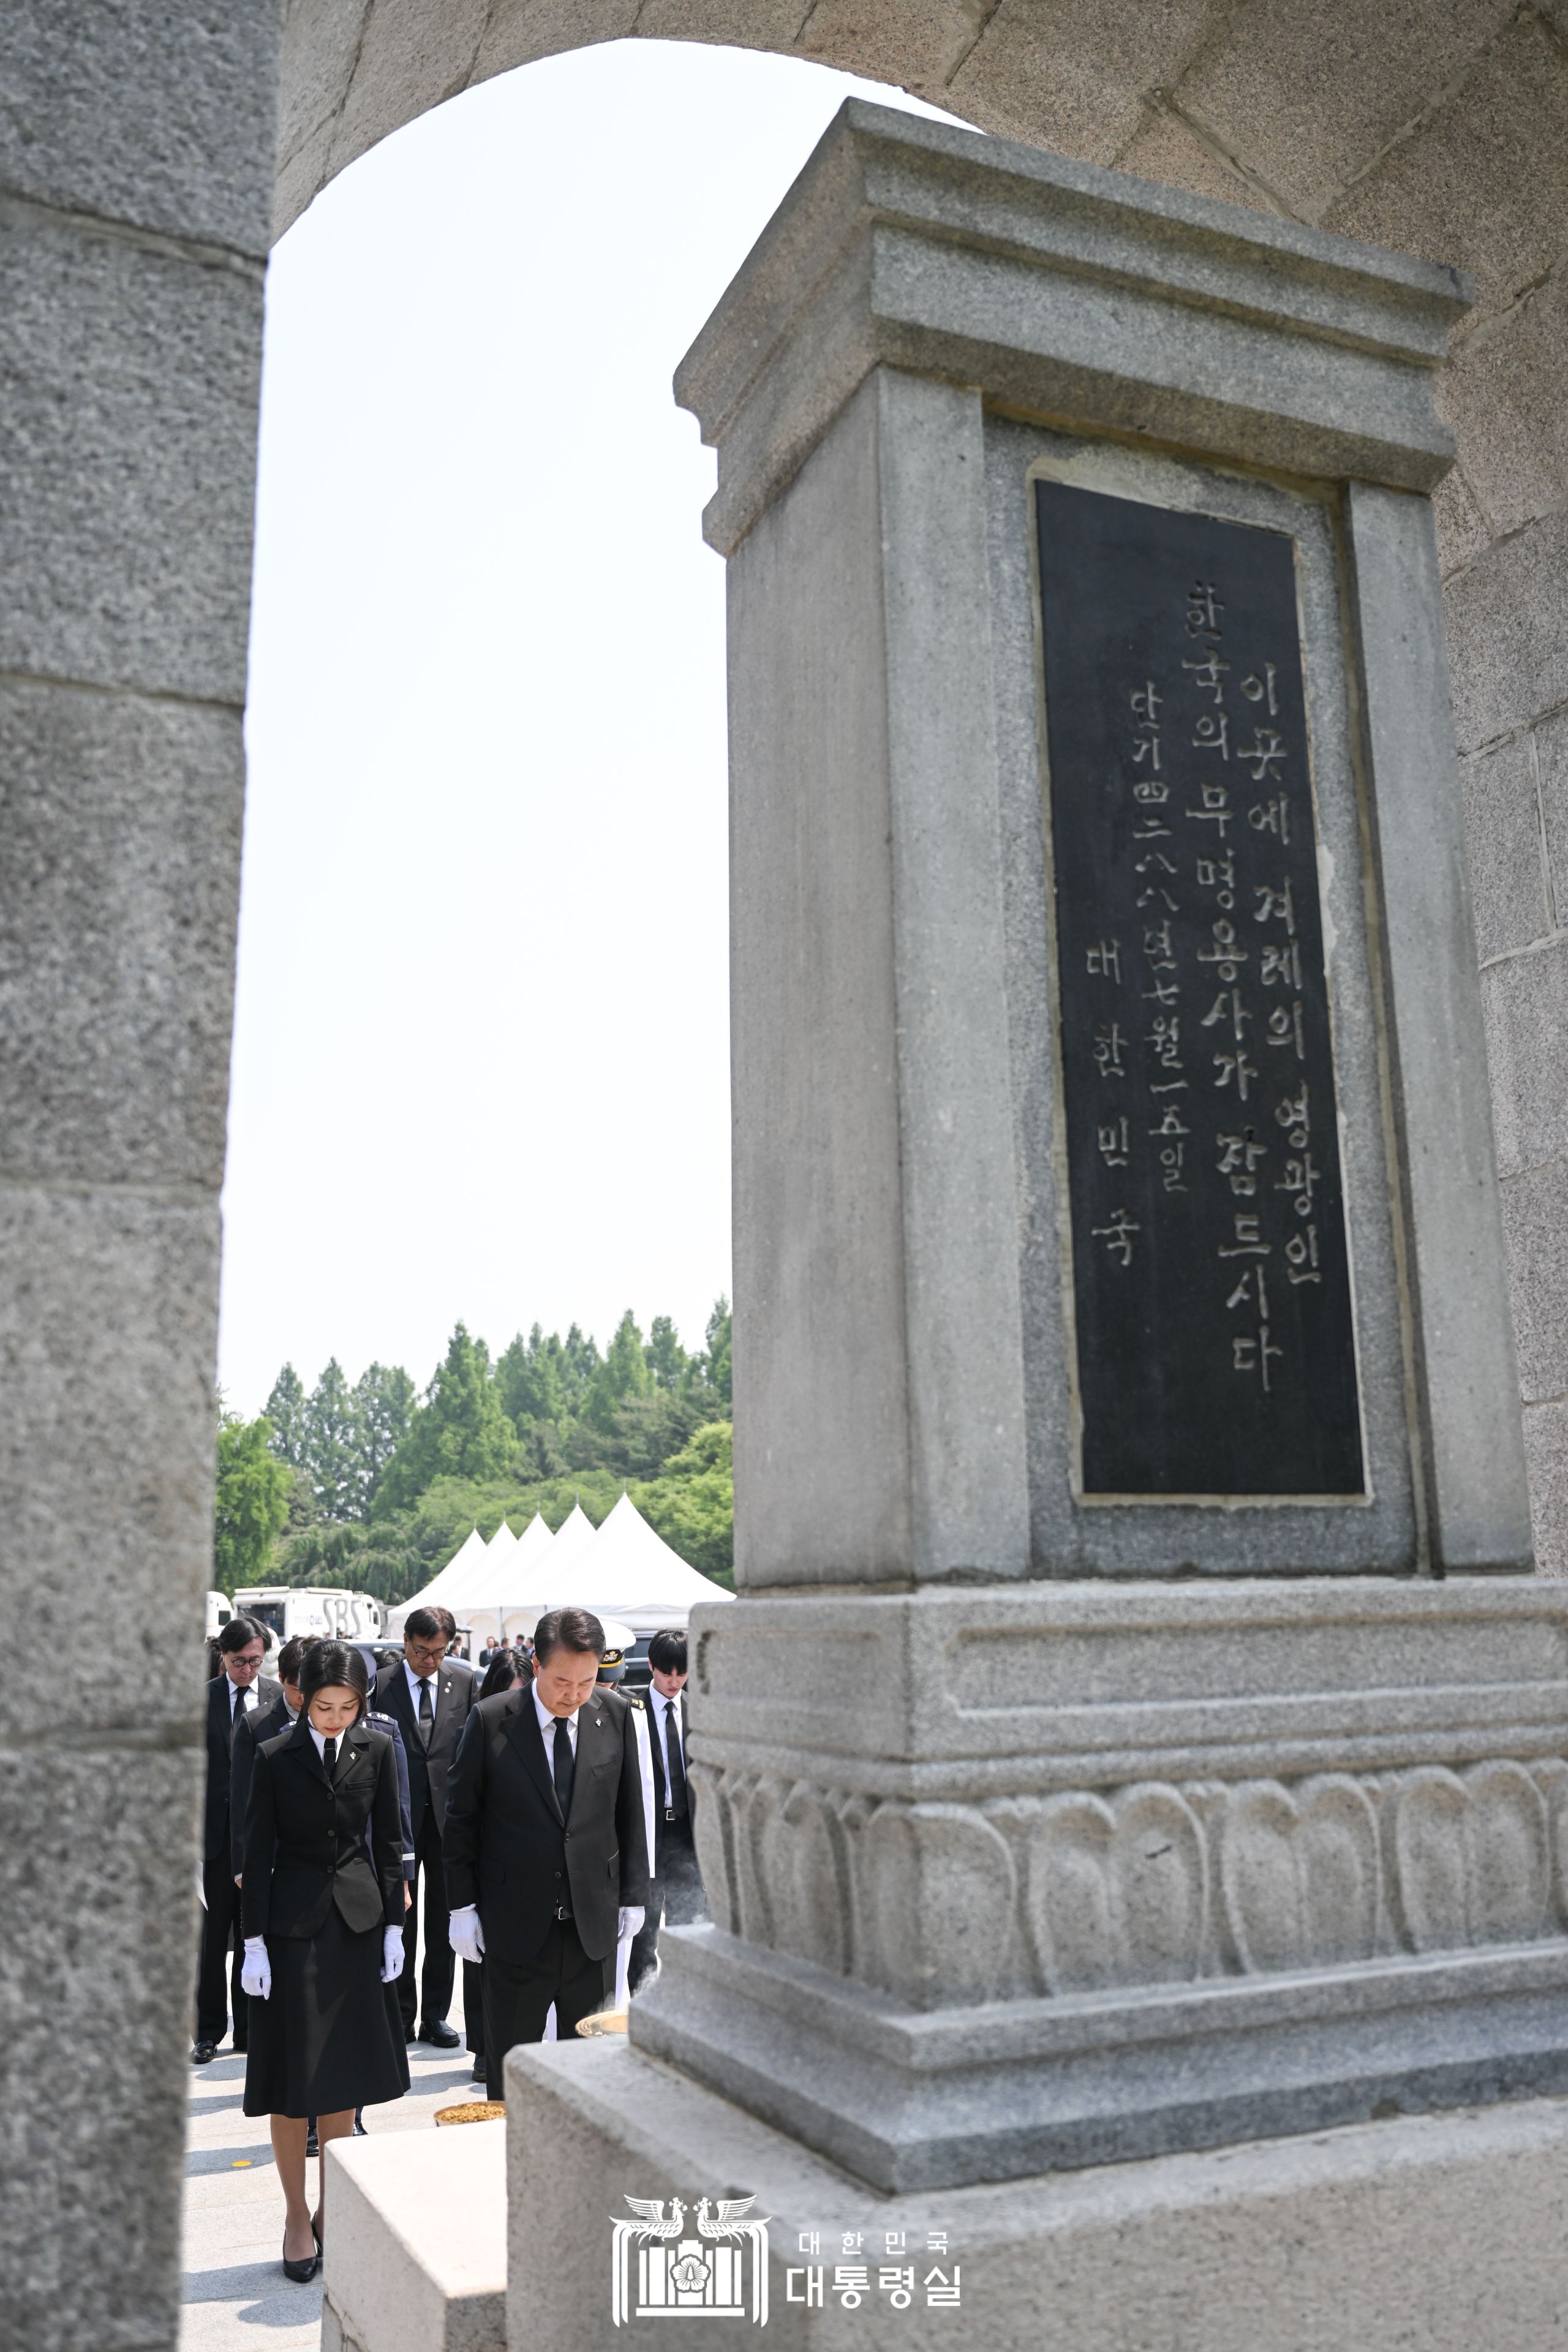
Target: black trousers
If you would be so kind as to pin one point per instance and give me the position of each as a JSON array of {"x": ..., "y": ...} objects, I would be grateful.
[
  {"x": 675, "y": 1899},
  {"x": 217, "y": 1981},
  {"x": 434, "y": 1989},
  {"x": 518, "y": 2001}
]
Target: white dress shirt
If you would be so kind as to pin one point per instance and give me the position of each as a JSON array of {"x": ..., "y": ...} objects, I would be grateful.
[
  {"x": 667, "y": 1722},
  {"x": 547, "y": 1723},
  {"x": 414, "y": 1682},
  {"x": 240, "y": 1694}
]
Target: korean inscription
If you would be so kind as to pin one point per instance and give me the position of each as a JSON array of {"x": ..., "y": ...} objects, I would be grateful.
[{"x": 1211, "y": 1277}]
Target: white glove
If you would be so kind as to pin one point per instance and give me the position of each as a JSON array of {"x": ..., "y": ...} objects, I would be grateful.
[
  {"x": 256, "y": 1976},
  {"x": 391, "y": 1954},
  {"x": 630, "y": 1922},
  {"x": 465, "y": 1933}
]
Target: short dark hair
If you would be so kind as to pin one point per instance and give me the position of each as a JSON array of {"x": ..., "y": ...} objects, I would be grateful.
[
  {"x": 504, "y": 1668},
  {"x": 293, "y": 1654},
  {"x": 328, "y": 1662},
  {"x": 425, "y": 1623},
  {"x": 568, "y": 1629},
  {"x": 240, "y": 1632},
  {"x": 667, "y": 1652}
]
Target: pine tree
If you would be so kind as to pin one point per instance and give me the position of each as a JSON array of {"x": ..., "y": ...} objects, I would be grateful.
[
  {"x": 531, "y": 1381},
  {"x": 623, "y": 1375},
  {"x": 459, "y": 1431},
  {"x": 332, "y": 1446},
  {"x": 284, "y": 1414},
  {"x": 666, "y": 1359},
  {"x": 383, "y": 1398},
  {"x": 718, "y": 1363}
]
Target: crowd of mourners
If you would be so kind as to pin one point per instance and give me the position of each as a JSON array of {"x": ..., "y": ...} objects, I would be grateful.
[{"x": 537, "y": 1807}]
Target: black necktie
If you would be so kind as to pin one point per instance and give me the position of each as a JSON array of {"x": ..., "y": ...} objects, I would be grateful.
[
  {"x": 329, "y": 1758},
  {"x": 674, "y": 1765},
  {"x": 565, "y": 1765},
  {"x": 427, "y": 1713}
]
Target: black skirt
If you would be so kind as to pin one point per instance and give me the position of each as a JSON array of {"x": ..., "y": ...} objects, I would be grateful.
[{"x": 330, "y": 2036}]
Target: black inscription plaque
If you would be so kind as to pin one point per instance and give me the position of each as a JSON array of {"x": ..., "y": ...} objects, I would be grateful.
[{"x": 1216, "y": 1345}]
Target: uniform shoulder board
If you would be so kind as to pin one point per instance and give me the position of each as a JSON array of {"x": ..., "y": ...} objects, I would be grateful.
[{"x": 632, "y": 1701}]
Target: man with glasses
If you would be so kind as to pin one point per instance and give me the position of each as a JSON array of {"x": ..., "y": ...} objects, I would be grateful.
[
  {"x": 429, "y": 1696},
  {"x": 237, "y": 1688}
]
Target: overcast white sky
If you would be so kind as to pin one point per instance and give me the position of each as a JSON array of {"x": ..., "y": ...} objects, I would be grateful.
[{"x": 480, "y": 1052}]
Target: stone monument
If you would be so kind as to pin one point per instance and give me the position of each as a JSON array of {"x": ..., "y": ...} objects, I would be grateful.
[{"x": 1140, "y": 1744}]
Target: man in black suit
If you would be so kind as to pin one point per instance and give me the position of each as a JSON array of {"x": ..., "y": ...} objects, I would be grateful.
[
  {"x": 429, "y": 1697},
  {"x": 675, "y": 1892},
  {"x": 545, "y": 1861},
  {"x": 240, "y": 1687}
]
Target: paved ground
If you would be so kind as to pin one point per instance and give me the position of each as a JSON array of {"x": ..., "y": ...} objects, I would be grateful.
[{"x": 236, "y": 2292}]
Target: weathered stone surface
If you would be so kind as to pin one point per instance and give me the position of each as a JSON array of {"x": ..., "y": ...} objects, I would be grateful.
[
  {"x": 159, "y": 115},
  {"x": 1462, "y": 529},
  {"x": 1508, "y": 632},
  {"x": 1535, "y": 1216},
  {"x": 931, "y": 37},
  {"x": 1552, "y": 772},
  {"x": 127, "y": 460},
  {"x": 1442, "y": 2230},
  {"x": 1502, "y": 394},
  {"x": 409, "y": 59},
  {"x": 1526, "y": 1001},
  {"x": 1306, "y": 96},
  {"x": 108, "y": 1343},
  {"x": 1065, "y": 292},
  {"x": 97, "y": 1971},
  {"x": 1166, "y": 149},
  {"x": 1069, "y": 74},
  {"x": 418, "y": 2241},
  {"x": 1503, "y": 847},
  {"x": 1546, "y": 1449},
  {"x": 518, "y": 31},
  {"x": 1482, "y": 179},
  {"x": 122, "y": 818},
  {"x": 731, "y": 24}
]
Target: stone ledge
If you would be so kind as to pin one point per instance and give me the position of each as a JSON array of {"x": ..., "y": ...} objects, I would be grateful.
[
  {"x": 1442, "y": 2233},
  {"x": 416, "y": 2242}
]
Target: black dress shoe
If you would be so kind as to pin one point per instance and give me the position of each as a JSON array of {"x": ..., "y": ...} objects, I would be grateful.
[
  {"x": 360, "y": 2131},
  {"x": 408, "y": 2033},
  {"x": 202, "y": 2054},
  {"x": 481, "y": 2071},
  {"x": 313, "y": 2146},
  {"x": 303, "y": 2273},
  {"x": 439, "y": 2034}
]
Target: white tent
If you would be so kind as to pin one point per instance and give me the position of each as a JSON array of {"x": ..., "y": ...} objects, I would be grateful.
[
  {"x": 438, "y": 1592},
  {"x": 627, "y": 1571}
]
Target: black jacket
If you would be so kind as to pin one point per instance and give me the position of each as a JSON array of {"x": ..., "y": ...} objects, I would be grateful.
[
  {"x": 507, "y": 1848},
  {"x": 249, "y": 1731},
  {"x": 456, "y": 1688},
  {"x": 304, "y": 1835},
  {"x": 681, "y": 1831},
  {"x": 266, "y": 1723},
  {"x": 220, "y": 1735}
]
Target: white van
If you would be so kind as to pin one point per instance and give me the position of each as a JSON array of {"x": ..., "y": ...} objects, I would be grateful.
[
  {"x": 220, "y": 1609},
  {"x": 306, "y": 1610}
]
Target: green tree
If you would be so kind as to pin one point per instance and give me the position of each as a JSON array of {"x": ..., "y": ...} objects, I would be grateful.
[
  {"x": 691, "y": 1503},
  {"x": 580, "y": 1361},
  {"x": 666, "y": 1359},
  {"x": 383, "y": 1402},
  {"x": 532, "y": 1380},
  {"x": 716, "y": 1364},
  {"x": 332, "y": 1446},
  {"x": 459, "y": 1431},
  {"x": 624, "y": 1374},
  {"x": 285, "y": 1414},
  {"x": 252, "y": 1501}
]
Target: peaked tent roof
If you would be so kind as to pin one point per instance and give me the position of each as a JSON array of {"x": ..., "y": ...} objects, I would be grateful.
[
  {"x": 438, "y": 1592},
  {"x": 628, "y": 1570},
  {"x": 501, "y": 1542}
]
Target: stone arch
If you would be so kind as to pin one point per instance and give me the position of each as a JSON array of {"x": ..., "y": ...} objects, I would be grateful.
[{"x": 1437, "y": 129}]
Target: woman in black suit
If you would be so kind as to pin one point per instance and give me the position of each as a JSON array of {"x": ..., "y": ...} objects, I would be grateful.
[{"x": 323, "y": 1909}]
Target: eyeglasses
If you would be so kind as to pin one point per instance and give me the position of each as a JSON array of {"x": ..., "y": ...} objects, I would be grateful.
[{"x": 434, "y": 1650}]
